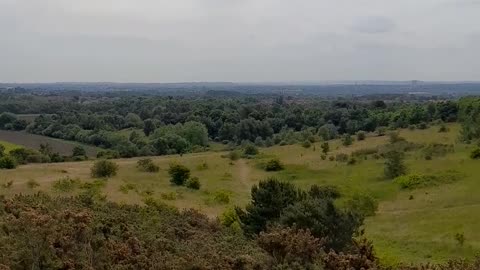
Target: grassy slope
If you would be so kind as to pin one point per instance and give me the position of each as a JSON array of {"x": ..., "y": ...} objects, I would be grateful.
[
  {"x": 403, "y": 230},
  {"x": 9, "y": 146}
]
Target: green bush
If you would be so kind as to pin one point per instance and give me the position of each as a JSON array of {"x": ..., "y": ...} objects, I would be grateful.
[
  {"x": 66, "y": 184},
  {"x": 363, "y": 204},
  {"x": 306, "y": 144},
  {"x": 475, "y": 154},
  {"x": 221, "y": 197},
  {"x": 394, "y": 164},
  {"x": 147, "y": 165},
  {"x": 413, "y": 181},
  {"x": 103, "y": 168},
  {"x": 32, "y": 183},
  {"x": 193, "y": 183},
  {"x": 361, "y": 135},
  {"x": 347, "y": 140},
  {"x": 274, "y": 165},
  {"x": 234, "y": 155},
  {"x": 250, "y": 150},
  {"x": 341, "y": 157},
  {"x": 7, "y": 162},
  {"x": 179, "y": 174}
]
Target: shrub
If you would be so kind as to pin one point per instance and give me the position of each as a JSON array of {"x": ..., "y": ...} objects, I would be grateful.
[
  {"x": 475, "y": 154},
  {"x": 341, "y": 157},
  {"x": 363, "y": 204},
  {"x": 413, "y": 181},
  {"x": 221, "y": 196},
  {"x": 66, "y": 184},
  {"x": 193, "y": 183},
  {"x": 7, "y": 162},
  {"x": 381, "y": 131},
  {"x": 108, "y": 154},
  {"x": 395, "y": 137},
  {"x": 443, "y": 128},
  {"x": 331, "y": 158},
  {"x": 422, "y": 125},
  {"x": 394, "y": 165},
  {"x": 234, "y": 155},
  {"x": 347, "y": 140},
  {"x": 274, "y": 165},
  {"x": 460, "y": 238},
  {"x": 170, "y": 196},
  {"x": 8, "y": 184},
  {"x": 361, "y": 135},
  {"x": 437, "y": 150},
  {"x": 323, "y": 157},
  {"x": 104, "y": 168},
  {"x": 147, "y": 165},
  {"x": 325, "y": 148},
  {"x": 324, "y": 192},
  {"x": 351, "y": 161},
  {"x": 179, "y": 174},
  {"x": 250, "y": 150},
  {"x": 32, "y": 183},
  {"x": 306, "y": 144},
  {"x": 202, "y": 166},
  {"x": 78, "y": 151}
]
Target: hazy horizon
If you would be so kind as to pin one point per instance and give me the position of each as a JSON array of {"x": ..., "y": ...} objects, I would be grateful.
[{"x": 240, "y": 41}]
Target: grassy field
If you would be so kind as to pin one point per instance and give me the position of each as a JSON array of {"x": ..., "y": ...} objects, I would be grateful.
[
  {"x": 33, "y": 141},
  {"x": 410, "y": 225},
  {"x": 9, "y": 146}
]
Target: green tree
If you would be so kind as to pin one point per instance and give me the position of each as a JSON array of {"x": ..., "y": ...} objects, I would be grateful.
[
  {"x": 104, "y": 168},
  {"x": 269, "y": 199},
  {"x": 394, "y": 164},
  {"x": 325, "y": 148},
  {"x": 148, "y": 127},
  {"x": 179, "y": 174}
]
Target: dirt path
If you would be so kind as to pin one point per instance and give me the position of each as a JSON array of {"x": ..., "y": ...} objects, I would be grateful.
[{"x": 244, "y": 172}]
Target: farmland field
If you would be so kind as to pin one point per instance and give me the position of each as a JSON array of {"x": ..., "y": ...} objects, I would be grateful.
[
  {"x": 33, "y": 141},
  {"x": 414, "y": 225}
]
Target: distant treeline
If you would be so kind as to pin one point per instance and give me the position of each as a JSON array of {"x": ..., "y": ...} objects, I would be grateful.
[{"x": 168, "y": 125}]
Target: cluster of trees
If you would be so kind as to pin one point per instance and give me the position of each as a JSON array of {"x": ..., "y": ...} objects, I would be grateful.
[{"x": 166, "y": 125}]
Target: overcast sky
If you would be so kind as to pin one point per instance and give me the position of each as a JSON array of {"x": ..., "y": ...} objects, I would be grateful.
[{"x": 238, "y": 40}]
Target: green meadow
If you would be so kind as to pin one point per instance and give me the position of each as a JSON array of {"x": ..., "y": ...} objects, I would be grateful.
[{"x": 413, "y": 225}]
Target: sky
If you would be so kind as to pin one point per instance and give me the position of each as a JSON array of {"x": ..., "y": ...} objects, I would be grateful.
[{"x": 238, "y": 40}]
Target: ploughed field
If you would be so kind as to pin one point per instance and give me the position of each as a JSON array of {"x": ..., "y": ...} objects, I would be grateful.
[{"x": 413, "y": 224}]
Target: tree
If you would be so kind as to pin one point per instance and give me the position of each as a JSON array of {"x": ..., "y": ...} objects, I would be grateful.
[
  {"x": 361, "y": 135},
  {"x": 78, "y": 151},
  {"x": 394, "y": 164},
  {"x": 274, "y": 165},
  {"x": 179, "y": 174},
  {"x": 347, "y": 140},
  {"x": 148, "y": 127},
  {"x": 269, "y": 199},
  {"x": 7, "y": 162},
  {"x": 250, "y": 150},
  {"x": 104, "y": 168},
  {"x": 324, "y": 220},
  {"x": 147, "y": 165},
  {"x": 325, "y": 148}
]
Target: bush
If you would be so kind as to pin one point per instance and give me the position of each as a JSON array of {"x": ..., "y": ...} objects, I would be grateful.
[
  {"x": 233, "y": 155},
  {"x": 78, "y": 151},
  {"x": 341, "y": 157},
  {"x": 306, "y": 144},
  {"x": 32, "y": 183},
  {"x": 443, "y": 129},
  {"x": 323, "y": 157},
  {"x": 475, "y": 154},
  {"x": 394, "y": 165},
  {"x": 347, "y": 140},
  {"x": 7, "y": 162},
  {"x": 193, "y": 183},
  {"x": 414, "y": 181},
  {"x": 104, "y": 168},
  {"x": 221, "y": 196},
  {"x": 422, "y": 125},
  {"x": 66, "y": 184},
  {"x": 147, "y": 165},
  {"x": 250, "y": 150},
  {"x": 395, "y": 137},
  {"x": 325, "y": 148},
  {"x": 179, "y": 174},
  {"x": 361, "y": 135},
  {"x": 363, "y": 204},
  {"x": 381, "y": 131},
  {"x": 331, "y": 158},
  {"x": 352, "y": 161},
  {"x": 274, "y": 165}
]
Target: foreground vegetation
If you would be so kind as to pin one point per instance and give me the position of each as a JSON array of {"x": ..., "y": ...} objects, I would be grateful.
[{"x": 412, "y": 224}]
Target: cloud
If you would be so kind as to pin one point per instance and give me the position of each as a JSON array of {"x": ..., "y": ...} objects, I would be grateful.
[{"x": 374, "y": 25}]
